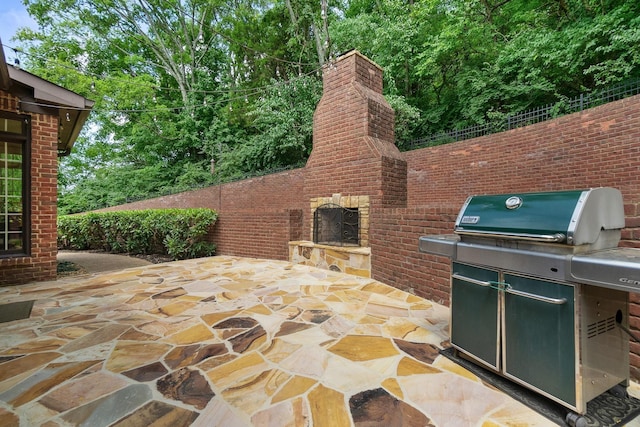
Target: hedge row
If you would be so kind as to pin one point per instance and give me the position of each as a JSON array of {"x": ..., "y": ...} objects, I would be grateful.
[{"x": 179, "y": 233}]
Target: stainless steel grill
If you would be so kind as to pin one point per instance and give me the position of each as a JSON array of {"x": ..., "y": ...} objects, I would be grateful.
[{"x": 539, "y": 288}]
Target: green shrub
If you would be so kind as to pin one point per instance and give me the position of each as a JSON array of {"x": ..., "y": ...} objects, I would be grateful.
[
  {"x": 179, "y": 233},
  {"x": 72, "y": 233}
]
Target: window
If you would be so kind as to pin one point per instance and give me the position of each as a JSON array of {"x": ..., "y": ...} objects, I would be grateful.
[{"x": 13, "y": 189}]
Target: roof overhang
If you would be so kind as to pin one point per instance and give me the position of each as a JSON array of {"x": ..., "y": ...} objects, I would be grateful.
[
  {"x": 38, "y": 95},
  {"x": 5, "y": 81}
]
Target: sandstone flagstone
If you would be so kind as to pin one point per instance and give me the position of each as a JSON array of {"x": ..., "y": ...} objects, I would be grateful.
[
  {"x": 378, "y": 407},
  {"x": 37, "y": 345},
  {"x": 295, "y": 386},
  {"x": 187, "y": 386},
  {"x": 409, "y": 366},
  {"x": 279, "y": 350},
  {"x": 8, "y": 419},
  {"x": 82, "y": 391},
  {"x": 226, "y": 375},
  {"x": 102, "y": 412},
  {"x": 392, "y": 386},
  {"x": 131, "y": 354},
  {"x": 291, "y": 413},
  {"x": 174, "y": 308},
  {"x": 215, "y": 317},
  {"x": 25, "y": 363},
  {"x": 327, "y": 407},
  {"x": 236, "y": 323},
  {"x": 220, "y": 413},
  {"x": 44, "y": 380},
  {"x": 249, "y": 340},
  {"x": 292, "y": 327},
  {"x": 107, "y": 333},
  {"x": 146, "y": 373},
  {"x": 254, "y": 392},
  {"x": 426, "y": 353},
  {"x": 359, "y": 347},
  {"x": 194, "y": 334},
  {"x": 159, "y": 414},
  {"x": 183, "y": 356},
  {"x": 280, "y": 345},
  {"x": 170, "y": 294}
]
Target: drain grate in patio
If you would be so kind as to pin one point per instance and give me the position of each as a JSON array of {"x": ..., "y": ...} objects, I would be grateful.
[
  {"x": 15, "y": 311},
  {"x": 606, "y": 410}
]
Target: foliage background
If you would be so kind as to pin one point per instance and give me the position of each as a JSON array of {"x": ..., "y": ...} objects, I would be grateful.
[{"x": 195, "y": 92}]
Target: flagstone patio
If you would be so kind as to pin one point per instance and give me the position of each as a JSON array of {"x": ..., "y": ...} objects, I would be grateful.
[{"x": 228, "y": 341}]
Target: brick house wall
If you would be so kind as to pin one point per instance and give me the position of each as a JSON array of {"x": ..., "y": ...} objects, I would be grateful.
[{"x": 41, "y": 262}]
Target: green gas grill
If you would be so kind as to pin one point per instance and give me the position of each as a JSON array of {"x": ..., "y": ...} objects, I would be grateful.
[{"x": 539, "y": 290}]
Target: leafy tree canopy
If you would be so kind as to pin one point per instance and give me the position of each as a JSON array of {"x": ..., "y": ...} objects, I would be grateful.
[{"x": 192, "y": 92}]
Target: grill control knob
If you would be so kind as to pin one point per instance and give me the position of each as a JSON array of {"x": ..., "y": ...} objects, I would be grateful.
[{"x": 513, "y": 202}]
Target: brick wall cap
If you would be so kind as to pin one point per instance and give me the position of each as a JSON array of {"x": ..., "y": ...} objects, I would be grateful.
[{"x": 351, "y": 53}]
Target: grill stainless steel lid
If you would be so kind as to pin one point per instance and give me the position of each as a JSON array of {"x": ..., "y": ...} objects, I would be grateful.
[
  {"x": 556, "y": 235},
  {"x": 574, "y": 217}
]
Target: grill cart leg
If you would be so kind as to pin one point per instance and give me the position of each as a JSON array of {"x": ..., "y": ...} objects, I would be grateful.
[{"x": 575, "y": 420}]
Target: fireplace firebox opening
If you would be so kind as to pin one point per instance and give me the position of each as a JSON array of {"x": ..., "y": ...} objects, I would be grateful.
[{"x": 336, "y": 225}]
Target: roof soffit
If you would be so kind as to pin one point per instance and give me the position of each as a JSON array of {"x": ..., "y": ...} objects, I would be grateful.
[{"x": 38, "y": 95}]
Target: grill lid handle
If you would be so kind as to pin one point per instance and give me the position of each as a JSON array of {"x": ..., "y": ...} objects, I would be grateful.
[{"x": 550, "y": 238}]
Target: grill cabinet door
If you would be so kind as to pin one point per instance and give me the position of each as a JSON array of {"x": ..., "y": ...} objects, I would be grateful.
[
  {"x": 475, "y": 313},
  {"x": 539, "y": 336}
]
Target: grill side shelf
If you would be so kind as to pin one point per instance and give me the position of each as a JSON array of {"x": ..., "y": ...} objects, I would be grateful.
[
  {"x": 440, "y": 244},
  {"x": 617, "y": 268}
]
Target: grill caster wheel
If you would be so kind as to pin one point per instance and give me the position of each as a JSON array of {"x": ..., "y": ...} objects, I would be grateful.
[
  {"x": 575, "y": 420},
  {"x": 619, "y": 391}
]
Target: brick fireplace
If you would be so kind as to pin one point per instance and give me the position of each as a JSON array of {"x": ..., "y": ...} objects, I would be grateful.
[
  {"x": 348, "y": 258},
  {"x": 354, "y": 203},
  {"x": 354, "y": 164}
]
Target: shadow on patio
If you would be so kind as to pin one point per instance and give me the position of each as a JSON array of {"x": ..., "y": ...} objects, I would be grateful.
[{"x": 226, "y": 341}]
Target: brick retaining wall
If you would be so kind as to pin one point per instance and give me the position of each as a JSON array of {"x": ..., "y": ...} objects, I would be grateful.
[
  {"x": 595, "y": 148},
  {"x": 258, "y": 216}
]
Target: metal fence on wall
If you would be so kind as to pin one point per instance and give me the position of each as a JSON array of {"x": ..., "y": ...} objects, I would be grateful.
[{"x": 529, "y": 117}]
